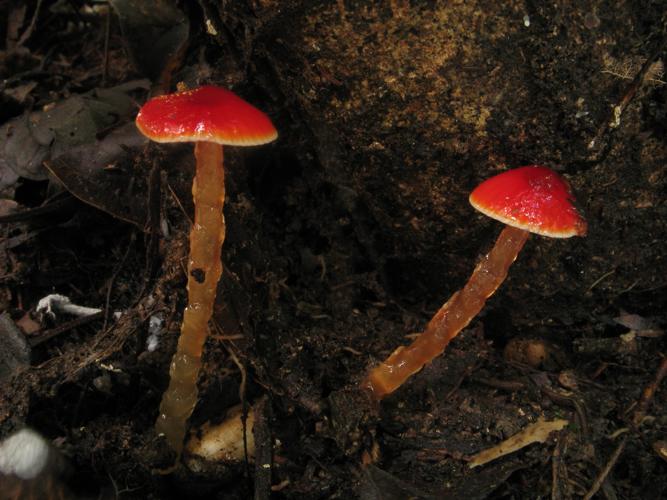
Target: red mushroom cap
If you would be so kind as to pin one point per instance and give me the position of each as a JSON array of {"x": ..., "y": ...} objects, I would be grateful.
[
  {"x": 208, "y": 113},
  {"x": 532, "y": 198}
]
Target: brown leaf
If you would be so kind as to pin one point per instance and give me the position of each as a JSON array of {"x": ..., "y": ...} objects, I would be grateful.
[
  {"x": 101, "y": 174},
  {"x": 30, "y": 139}
]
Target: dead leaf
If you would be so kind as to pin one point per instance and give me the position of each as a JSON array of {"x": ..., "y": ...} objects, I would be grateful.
[
  {"x": 85, "y": 172},
  {"x": 633, "y": 321},
  {"x": 30, "y": 139},
  {"x": 103, "y": 173},
  {"x": 639, "y": 325},
  {"x": 533, "y": 433}
]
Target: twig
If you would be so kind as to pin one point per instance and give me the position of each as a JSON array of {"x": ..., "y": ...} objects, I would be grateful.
[
  {"x": 600, "y": 279},
  {"x": 263, "y": 448},
  {"x": 53, "y": 205},
  {"x": 607, "y": 469},
  {"x": 53, "y": 332},
  {"x": 558, "y": 468},
  {"x": 242, "y": 397},
  {"x": 612, "y": 121},
  {"x": 152, "y": 227},
  {"x": 505, "y": 385},
  {"x": 114, "y": 275},
  {"x": 180, "y": 205},
  {"x": 648, "y": 393},
  {"x": 242, "y": 370},
  {"x": 637, "y": 417},
  {"x": 26, "y": 34},
  {"x": 244, "y": 374},
  {"x": 237, "y": 336},
  {"x": 107, "y": 33}
]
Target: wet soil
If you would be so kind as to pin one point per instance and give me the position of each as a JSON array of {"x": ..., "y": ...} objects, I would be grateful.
[{"x": 345, "y": 236}]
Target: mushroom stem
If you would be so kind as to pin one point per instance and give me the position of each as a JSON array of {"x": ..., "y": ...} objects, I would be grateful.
[
  {"x": 452, "y": 317},
  {"x": 204, "y": 271}
]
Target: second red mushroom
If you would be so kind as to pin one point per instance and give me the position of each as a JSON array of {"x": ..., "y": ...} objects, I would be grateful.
[{"x": 530, "y": 199}]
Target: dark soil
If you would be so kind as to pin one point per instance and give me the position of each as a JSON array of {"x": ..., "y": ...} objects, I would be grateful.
[{"x": 343, "y": 238}]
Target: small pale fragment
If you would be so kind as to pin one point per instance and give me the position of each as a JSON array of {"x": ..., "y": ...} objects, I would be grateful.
[
  {"x": 616, "y": 121},
  {"x": 155, "y": 324},
  {"x": 55, "y": 303},
  {"x": 533, "y": 433},
  {"x": 660, "y": 447},
  {"x": 210, "y": 29},
  {"x": 224, "y": 442}
]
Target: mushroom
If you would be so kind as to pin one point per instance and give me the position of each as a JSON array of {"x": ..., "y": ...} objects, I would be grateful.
[
  {"x": 209, "y": 116},
  {"x": 531, "y": 199}
]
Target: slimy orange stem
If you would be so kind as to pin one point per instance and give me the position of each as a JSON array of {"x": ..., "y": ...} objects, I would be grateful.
[
  {"x": 204, "y": 270},
  {"x": 452, "y": 317}
]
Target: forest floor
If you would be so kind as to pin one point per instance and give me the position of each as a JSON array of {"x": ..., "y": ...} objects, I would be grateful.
[{"x": 316, "y": 291}]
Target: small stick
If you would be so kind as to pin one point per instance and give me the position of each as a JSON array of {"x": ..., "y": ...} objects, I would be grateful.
[
  {"x": 263, "y": 449},
  {"x": 242, "y": 395},
  {"x": 506, "y": 385},
  {"x": 53, "y": 332},
  {"x": 31, "y": 27},
  {"x": 638, "y": 416},
  {"x": 617, "y": 110},
  {"x": 52, "y": 205},
  {"x": 154, "y": 212},
  {"x": 112, "y": 280},
  {"x": 558, "y": 468},
  {"x": 648, "y": 393},
  {"x": 607, "y": 469},
  {"x": 107, "y": 32}
]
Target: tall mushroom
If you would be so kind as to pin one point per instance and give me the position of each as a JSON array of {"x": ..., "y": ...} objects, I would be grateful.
[
  {"x": 210, "y": 117},
  {"x": 530, "y": 199}
]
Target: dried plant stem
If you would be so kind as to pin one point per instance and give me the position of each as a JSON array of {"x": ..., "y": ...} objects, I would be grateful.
[
  {"x": 452, "y": 317},
  {"x": 638, "y": 416},
  {"x": 204, "y": 271},
  {"x": 604, "y": 473},
  {"x": 648, "y": 393}
]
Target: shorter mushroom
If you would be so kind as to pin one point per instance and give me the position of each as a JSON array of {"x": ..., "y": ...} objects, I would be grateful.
[{"x": 530, "y": 199}]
